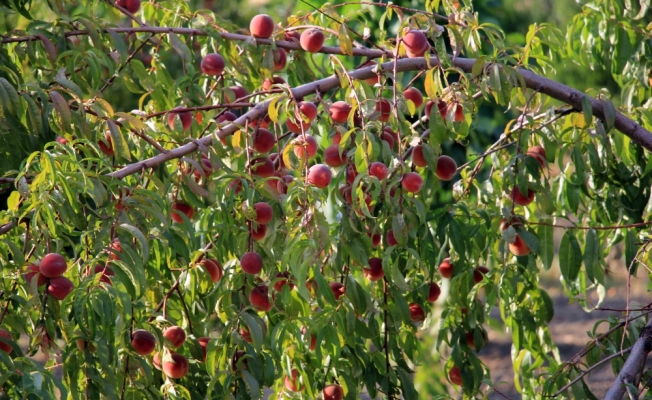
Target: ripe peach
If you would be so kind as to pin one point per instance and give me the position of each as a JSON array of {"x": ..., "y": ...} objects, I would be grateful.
[
  {"x": 391, "y": 240},
  {"x": 212, "y": 64},
  {"x": 479, "y": 273},
  {"x": 441, "y": 106},
  {"x": 60, "y": 287},
  {"x": 518, "y": 198},
  {"x": 177, "y": 368},
  {"x": 275, "y": 80},
  {"x": 455, "y": 376},
  {"x": 265, "y": 167},
  {"x": 264, "y": 212},
  {"x": 333, "y": 392},
  {"x": 203, "y": 343},
  {"x": 213, "y": 268},
  {"x": 283, "y": 278},
  {"x": 260, "y": 232},
  {"x": 261, "y": 26},
  {"x": 304, "y": 146},
  {"x": 263, "y": 122},
  {"x": 375, "y": 271},
  {"x": 246, "y": 335},
  {"x": 320, "y": 175},
  {"x": 312, "y": 40},
  {"x": 105, "y": 273},
  {"x": 280, "y": 60},
  {"x": 62, "y": 140},
  {"x": 458, "y": 113},
  {"x": 434, "y": 292},
  {"x": 446, "y": 168},
  {"x": 5, "y": 346},
  {"x": 32, "y": 271},
  {"x": 228, "y": 116},
  {"x": 308, "y": 109},
  {"x": 332, "y": 156},
  {"x": 378, "y": 169},
  {"x": 238, "y": 93},
  {"x": 53, "y": 265},
  {"x": 106, "y": 145},
  {"x": 293, "y": 36},
  {"x": 185, "y": 117},
  {"x": 415, "y": 43},
  {"x": 259, "y": 298},
  {"x": 81, "y": 345},
  {"x": 130, "y": 5},
  {"x": 417, "y": 156},
  {"x": 446, "y": 268},
  {"x": 337, "y": 137},
  {"x": 375, "y": 238},
  {"x": 143, "y": 342},
  {"x": 251, "y": 262},
  {"x": 116, "y": 247},
  {"x": 338, "y": 289},
  {"x": 416, "y": 312},
  {"x": 175, "y": 335},
  {"x": 282, "y": 184},
  {"x": 297, "y": 126},
  {"x": 263, "y": 140},
  {"x": 384, "y": 107},
  {"x": 291, "y": 384},
  {"x": 471, "y": 342},
  {"x": 413, "y": 94},
  {"x": 519, "y": 248},
  {"x": 351, "y": 174},
  {"x": 340, "y": 111},
  {"x": 539, "y": 154},
  {"x": 412, "y": 182},
  {"x": 178, "y": 208}
]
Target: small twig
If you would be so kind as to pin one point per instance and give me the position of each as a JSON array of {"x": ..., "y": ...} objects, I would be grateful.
[{"x": 185, "y": 307}]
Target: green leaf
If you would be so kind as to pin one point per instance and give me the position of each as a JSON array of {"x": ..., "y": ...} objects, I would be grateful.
[
  {"x": 546, "y": 243},
  {"x": 609, "y": 114},
  {"x": 587, "y": 109},
  {"x": 591, "y": 254},
  {"x": 180, "y": 47},
  {"x": 570, "y": 257},
  {"x": 119, "y": 144},
  {"x": 631, "y": 248},
  {"x": 61, "y": 106}
]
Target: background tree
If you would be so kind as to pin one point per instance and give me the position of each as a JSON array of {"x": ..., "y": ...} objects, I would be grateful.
[{"x": 276, "y": 202}]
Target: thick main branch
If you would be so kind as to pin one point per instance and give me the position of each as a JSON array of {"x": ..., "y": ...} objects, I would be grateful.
[{"x": 633, "y": 368}]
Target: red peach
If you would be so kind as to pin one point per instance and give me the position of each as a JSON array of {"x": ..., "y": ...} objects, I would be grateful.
[
  {"x": 338, "y": 289},
  {"x": 260, "y": 232},
  {"x": 251, "y": 263},
  {"x": 340, "y": 111},
  {"x": 143, "y": 342},
  {"x": 175, "y": 335},
  {"x": 178, "y": 208},
  {"x": 416, "y": 312},
  {"x": 265, "y": 167},
  {"x": 351, "y": 174},
  {"x": 263, "y": 140},
  {"x": 332, "y": 156},
  {"x": 378, "y": 169},
  {"x": 384, "y": 107},
  {"x": 446, "y": 168},
  {"x": 433, "y": 292},
  {"x": 375, "y": 271},
  {"x": 53, "y": 265},
  {"x": 3, "y": 345},
  {"x": 518, "y": 198},
  {"x": 311, "y": 40},
  {"x": 177, "y": 368},
  {"x": 291, "y": 384},
  {"x": 479, "y": 273},
  {"x": 280, "y": 60},
  {"x": 333, "y": 392},
  {"x": 275, "y": 80},
  {"x": 203, "y": 343},
  {"x": 320, "y": 175},
  {"x": 387, "y": 137},
  {"x": 391, "y": 239},
  {"x": 213, "y": 268},
  {"x": 308, "y": 109},
  {"x": 296, "y": 127},
  {"x": 264, "y": 212},
  {"x": 32, "y": 271},
  {"x": 413, "y": 94},
  {"x": 539, "y": 154},
  {"x": 228, "y": 116},
  {"x": 130, "y": 5},
  {"x": 284, "y": 278},
  {"x": 455, "y": 376},
  {"x": 106, "y": 145},
  {"x": 282, "y": 184},
  {"x": 415, "y": 43},
  {"x": 259, "y": 298},
  {"x": 304, "y": 146},
  {"x": 446, "y": 268},
  {"x": 412, "y": 182},
  {"x": 60, "y": 287},
  {"x": 212, "y": 64},
  {"x": 292, "y": 36},
  {"x": 417, "y": 156},
  {"x": 105, "y": 273},
  {"x": 185, "y": 117},
  {"x": 261, "y": 26}
]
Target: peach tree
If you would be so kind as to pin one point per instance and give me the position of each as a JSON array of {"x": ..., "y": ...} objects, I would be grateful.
[{"x": 196, "y": 209}]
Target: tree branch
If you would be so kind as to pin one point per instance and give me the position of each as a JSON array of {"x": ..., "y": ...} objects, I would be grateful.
[{"x": 633, "y": 368}]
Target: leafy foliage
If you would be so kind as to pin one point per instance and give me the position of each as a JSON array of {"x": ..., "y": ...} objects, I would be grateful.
[{"x": 117, "y": 91}]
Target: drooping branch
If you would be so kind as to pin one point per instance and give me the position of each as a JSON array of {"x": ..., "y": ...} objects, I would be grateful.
[
  {"x": 556, "y": 90},
  {"x": 631, "y": 372}
]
